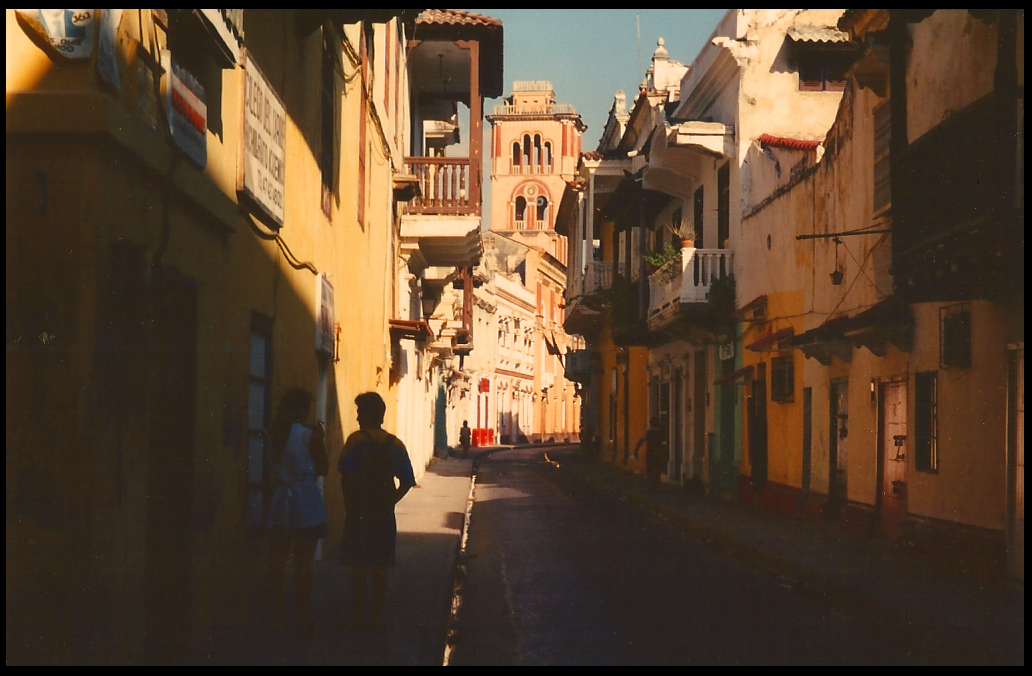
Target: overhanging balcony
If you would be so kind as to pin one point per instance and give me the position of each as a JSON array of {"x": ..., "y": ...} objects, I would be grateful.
[
  {"x": 598, "y": 275},
  {"x": 447, "y": 186},
  {"x": 684, "y": 283}
]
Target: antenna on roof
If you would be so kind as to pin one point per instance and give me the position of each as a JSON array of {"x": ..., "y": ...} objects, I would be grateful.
[{"x": 637, "y": 26}]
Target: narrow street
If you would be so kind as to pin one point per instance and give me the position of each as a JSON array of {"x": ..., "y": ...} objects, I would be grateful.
[{"x": 562, "y": 574}]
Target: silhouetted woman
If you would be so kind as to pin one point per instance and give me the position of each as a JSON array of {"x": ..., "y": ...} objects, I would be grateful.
[{"x": 297, "y": 514}]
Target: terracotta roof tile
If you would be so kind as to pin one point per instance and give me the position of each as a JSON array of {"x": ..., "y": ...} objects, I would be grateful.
[
  {"x": 456, "y": 17},
  {"x": 791, "y": 143}
]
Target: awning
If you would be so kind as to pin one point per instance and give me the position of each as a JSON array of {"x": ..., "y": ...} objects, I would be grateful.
[
  {"x": 551, "y": 344},
  {"x": 889, "y": 321},
  {"x": 411, "y": 329},
  {"x": 769, "y": 342},
  {"x": 748, "y": 307},
  {"x": 741, "y": 374},
  {"x": 820, "y": 34}
]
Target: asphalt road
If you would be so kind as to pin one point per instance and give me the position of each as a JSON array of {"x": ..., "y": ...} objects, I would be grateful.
[{"x": 560, "y": 573}]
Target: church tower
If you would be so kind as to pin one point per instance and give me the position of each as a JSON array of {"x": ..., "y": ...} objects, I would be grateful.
[{"x": 535, "y": 145}]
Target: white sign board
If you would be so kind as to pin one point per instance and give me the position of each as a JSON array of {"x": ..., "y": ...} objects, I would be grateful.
[{"x": 263, "y": 162}]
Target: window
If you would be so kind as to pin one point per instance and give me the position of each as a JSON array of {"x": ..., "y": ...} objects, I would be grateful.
[
  {"x": 822, "y": 70},
  {"x": 782, "y": 380},
  {"x": 328, "y": 118},
  {"x": 521, "y": 212},
  {"x": 697, "y": 211},
  {"x": 955, "y": 336},
  {"x": 258, "y": 407},
  {"x": 723, "y": 205},
  {"x": 926, "y": 422},
  {"x": 882, "y": 135}
]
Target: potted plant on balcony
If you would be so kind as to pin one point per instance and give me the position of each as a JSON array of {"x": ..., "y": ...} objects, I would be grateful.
[
  {"x": 686, "y": 233},
  {"x": 661, "y": 257}
]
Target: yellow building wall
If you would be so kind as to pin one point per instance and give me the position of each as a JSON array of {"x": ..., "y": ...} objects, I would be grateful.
[{"x": 70, "y": 200}]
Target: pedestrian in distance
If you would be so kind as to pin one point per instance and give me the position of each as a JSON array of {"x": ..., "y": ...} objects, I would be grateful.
[
  {"x": 369, "y": 464},
  {"x": 296, "y": 519},
  {"x": 465, "y": 436},
  {"x": 656, "y": 453}
]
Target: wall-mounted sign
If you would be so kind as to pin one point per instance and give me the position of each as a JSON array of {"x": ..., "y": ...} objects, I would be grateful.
[
  {"x": 263, "y": 151},
  {"x": 725, "y": 351},
  {"x": 107, "y": 60},
  {"x": 69, "y": 31},
  {"x": 187, "y": 108},
  {"x": 325, "y": 336}
]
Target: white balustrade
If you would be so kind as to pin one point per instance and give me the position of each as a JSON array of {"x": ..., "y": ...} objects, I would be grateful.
[{"x": 687, "y": 280}]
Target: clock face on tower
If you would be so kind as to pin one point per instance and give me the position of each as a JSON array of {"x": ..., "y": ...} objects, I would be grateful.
[{"x": 542, "y": 202}]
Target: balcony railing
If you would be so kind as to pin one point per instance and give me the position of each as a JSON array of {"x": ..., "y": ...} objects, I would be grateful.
[
  {"x": 598, "y": 275},
  {"x": 686, "y": 280},
  {"x": 447, "y": 186},
  {"x": 535, "y": 109}
]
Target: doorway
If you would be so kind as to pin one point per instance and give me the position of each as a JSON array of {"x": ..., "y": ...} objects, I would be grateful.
[
  {"x": 838, "y": 447},
  {"x": 171, "y": 467},
  {"x": 892, "y": 457},
  {"x": 757, "y": 413}
]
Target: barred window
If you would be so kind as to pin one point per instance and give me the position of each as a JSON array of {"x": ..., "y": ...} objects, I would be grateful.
[{"x": 926, "y": 422}]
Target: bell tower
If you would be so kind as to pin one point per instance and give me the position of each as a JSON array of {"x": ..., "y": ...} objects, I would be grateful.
[{"x": 535, "y": 146}]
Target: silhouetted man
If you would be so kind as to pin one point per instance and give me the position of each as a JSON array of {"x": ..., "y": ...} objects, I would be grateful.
[{"x": 370, "y": 462}]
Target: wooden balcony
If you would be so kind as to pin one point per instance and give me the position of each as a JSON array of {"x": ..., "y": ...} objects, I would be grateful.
[{"x": 447, "y": 185}]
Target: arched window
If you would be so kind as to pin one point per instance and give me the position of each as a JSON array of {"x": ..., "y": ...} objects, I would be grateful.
[
  {"x": 527, "y": 149},
  {"x": 521, "y": 212},
  {"x": 537, "y": 154},
  {"x": 516, "y": 157},
  {"x": 548, "y": 157},
  {"x": 542, "y": 211}
]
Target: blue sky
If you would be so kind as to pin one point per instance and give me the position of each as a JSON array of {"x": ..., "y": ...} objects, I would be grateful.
[{"x": 588, "y": 54}]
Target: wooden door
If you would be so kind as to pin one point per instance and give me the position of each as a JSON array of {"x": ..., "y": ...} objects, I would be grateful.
[
  {"x": 1016, "y": 465},
  {"x": 677, "y": 426},
  {"x": 698, "y": 407},
  {"x": 838, "y": 446},
  {"x": 892, "y": 491},
  {"x": 757, "y": 414}
]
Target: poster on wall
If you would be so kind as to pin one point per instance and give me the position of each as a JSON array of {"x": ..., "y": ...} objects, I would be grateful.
[
  {"x": 263, "y": 151},
  {"x": 187, "y": 108},
  {"x": 68, "y": 31},
  {"x": 325, "y": 335},
  {"x": 107, "y": 61}
]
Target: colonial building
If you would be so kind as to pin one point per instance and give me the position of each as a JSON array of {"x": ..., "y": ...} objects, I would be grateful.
[
  {"x": 204, "y": 210},
  {"x": 535, "y": 143}
]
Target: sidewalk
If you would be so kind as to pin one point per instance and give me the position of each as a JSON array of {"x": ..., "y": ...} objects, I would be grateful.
[
  {"x": 961, "y": 618},
  {"x": 430, "y": 521}
]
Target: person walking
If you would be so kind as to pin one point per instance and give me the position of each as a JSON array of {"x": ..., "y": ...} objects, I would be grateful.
[
  {"x": 656, "y": 453},
  {"x": 465, "y": 436},
  {"x": 369, "y": 464},
  {"x": 296, "y": 520}
]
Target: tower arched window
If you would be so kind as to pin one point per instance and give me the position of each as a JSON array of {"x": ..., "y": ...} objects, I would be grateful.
[
  {"x": 527, "y": 150},
  {"x": 542, "y": 211},
  {"x": 516, "y": 156},
  {"x": 537, "y": 154},
  {"x": 548, "y": 157},
  {"x": 521, "y": 212}
]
